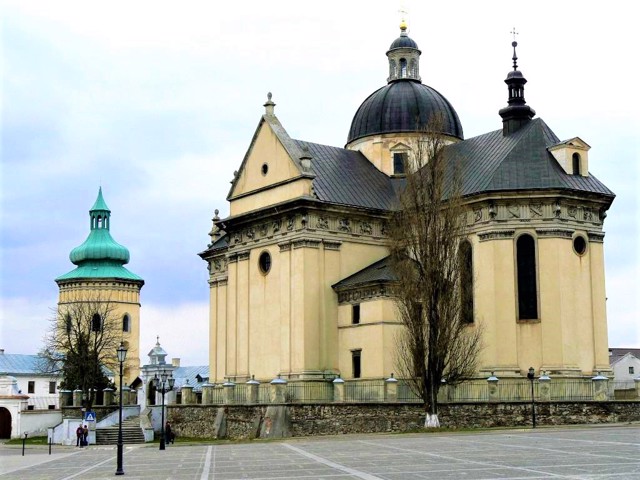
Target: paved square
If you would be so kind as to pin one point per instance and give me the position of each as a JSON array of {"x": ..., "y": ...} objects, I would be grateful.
[{"x": 603, "y": 452}]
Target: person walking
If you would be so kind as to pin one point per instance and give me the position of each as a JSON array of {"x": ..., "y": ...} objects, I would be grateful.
[
  {"x": 167, "y": 433},
  {"x": 85, "y": 434},
  {"x": 79, "y": 435}
]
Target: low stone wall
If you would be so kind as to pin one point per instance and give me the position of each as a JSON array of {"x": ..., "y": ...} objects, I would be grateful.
[
  {"x": 76, "y": 412},
  {"x": 244, "y": 421}
]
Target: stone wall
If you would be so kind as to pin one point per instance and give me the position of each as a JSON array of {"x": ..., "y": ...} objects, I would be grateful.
[
  {"x": 244, "y": 421},
  {"x": 76, "y": 412}
]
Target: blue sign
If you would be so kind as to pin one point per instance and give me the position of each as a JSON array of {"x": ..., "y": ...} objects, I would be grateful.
[{"x": 90, "y": 417}]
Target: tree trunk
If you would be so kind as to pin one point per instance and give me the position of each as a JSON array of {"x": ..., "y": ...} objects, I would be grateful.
[{"x": 431, "y": 421}]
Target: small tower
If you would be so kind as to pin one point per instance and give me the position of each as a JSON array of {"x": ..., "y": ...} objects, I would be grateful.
[
  {"x": 404, "y": 57},
  {"x": 517, "y": 113},
  {"x": 99, "y": 277}
]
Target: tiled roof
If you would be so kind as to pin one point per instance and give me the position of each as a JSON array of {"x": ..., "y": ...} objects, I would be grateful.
[
  {"x": 615, "y": 354},
  {"x": 520, "y": 161},
  {"x": 346, "y": 177},
  {"x": 378, "y": 272},
  {"x": 182, "y": 374}
]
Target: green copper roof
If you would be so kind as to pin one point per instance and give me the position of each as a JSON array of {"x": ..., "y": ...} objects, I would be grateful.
[
  {"x": 100, "y": 204},
  {"x": 100, "y": 256},
  {"x": 99, "y": 245}
]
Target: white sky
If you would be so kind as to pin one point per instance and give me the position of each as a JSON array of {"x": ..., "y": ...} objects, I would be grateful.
[{"x": 157, "y": 102}]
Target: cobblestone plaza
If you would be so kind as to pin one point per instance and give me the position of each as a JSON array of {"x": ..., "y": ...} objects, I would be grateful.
[{"x": 576, "y": 453}]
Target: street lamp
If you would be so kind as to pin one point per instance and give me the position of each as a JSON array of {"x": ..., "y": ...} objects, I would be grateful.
[
  {"x": 122, "y": 355},
  {"x": 531, "y": 376},
  {"x": 163, "y": 384}
]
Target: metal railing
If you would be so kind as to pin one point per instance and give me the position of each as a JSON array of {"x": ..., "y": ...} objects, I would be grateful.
[{"x": 477, "y": 390}]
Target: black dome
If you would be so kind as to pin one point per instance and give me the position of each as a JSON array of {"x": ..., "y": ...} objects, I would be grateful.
[
  {"x": 403, "y": 106},
  {"x": 403, "y": 42}
]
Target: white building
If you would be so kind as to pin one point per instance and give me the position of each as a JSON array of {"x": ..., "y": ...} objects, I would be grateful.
[
  {"x": 625, "y": 363},
  {"x": 40, "y": 387}
]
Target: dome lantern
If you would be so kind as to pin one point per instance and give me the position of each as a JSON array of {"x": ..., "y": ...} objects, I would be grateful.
[{"x": 404, "y": 57}]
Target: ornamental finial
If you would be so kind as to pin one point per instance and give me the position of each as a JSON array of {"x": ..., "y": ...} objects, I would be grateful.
[{"x": 514, "y": 44}]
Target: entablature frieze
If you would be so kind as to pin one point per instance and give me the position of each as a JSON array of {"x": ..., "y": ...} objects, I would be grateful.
[
  {"x": 515, "y": 212},
  {"x": 343, "y": 225},
  {"x": 554, "y": 233},
  {"x": 363, "y": 293}
]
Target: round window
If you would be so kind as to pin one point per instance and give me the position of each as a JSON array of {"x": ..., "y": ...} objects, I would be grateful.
[
  {"x": 264, "y": 262},
  {"x": 580, "y": 245},
  {"x": 265, "y": 168}
]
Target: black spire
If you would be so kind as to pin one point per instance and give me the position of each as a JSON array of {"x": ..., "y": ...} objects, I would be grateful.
[{"x": 517, "y": 113}]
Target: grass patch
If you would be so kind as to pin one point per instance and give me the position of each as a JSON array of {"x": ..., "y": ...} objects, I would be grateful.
[{"x": 30, "y": 441}]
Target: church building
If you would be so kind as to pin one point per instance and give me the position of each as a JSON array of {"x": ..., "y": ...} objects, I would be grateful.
[
  {"x": 299, "y": 273},
  {"x": 100, "y": 276}
]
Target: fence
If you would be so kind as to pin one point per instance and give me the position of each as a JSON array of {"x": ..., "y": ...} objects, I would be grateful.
[{"x": 379, "y": 390}]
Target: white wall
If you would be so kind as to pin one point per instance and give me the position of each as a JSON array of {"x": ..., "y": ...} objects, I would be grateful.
[
  {"x": 36, "y": 422},
  {"x": 621, "y": 369},
  {"x": 41, "y": 398}
]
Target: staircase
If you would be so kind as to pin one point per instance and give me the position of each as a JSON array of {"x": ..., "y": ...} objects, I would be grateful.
[{"x": 131, "y": 433}]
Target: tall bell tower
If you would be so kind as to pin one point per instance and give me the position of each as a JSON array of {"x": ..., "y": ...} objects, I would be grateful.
[{"x": 100, "y": 276}]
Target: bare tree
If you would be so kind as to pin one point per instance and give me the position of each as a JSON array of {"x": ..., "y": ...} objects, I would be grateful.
[
  {"x": 82, "y": 339},
  {"x": 431, "y": 261}
]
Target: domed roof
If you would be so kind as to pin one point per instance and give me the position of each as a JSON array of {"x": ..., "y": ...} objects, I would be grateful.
[
  {"x": 99, "y": 256},
  {"x": 99, "y": 245},
  {"x": 403, "y": 41},
  {"x": 403, "y": 106}
]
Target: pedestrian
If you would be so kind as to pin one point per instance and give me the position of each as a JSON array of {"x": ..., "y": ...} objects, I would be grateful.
[
  {"x": 79, "y": 435},
  {"x": 85, "y": 434},
  {"x": 167, "y": 433}
]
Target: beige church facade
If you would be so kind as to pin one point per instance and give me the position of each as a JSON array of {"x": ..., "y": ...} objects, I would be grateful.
[{"x": 300, "y": 283}]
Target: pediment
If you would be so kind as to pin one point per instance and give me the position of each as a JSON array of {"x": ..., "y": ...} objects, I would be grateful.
[{"x": 270, "y": 160}]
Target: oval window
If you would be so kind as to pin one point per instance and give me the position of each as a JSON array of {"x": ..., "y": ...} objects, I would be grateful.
[
  {"x": 265, "y": 168},
  {"x": 580, "y": 245},
  {"x": 264, "y": 262}
]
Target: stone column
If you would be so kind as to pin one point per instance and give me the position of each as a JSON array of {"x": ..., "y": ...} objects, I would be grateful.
[
  {"x": 253, "y": 385},
  {"x": 187, "y": 394},
  {"x": 278, "y": 387},
  {"x": 133, "y": 397},
  {"x": 229, "y": 393},
  {"x": 493, "y": 388},
  {"x": 207, "y": 393},
  {"x": 338, "y": 390},
  {"x": 600, "y": 388},
  {"x": 126, "y": 395},
  {"x": 66, "y": 398},
  {"x": 77, "y": 398},
  {"x": 107, "y": 396},
  {"x": 391, "y": 389},
  {"x": 544, "y": 392}
]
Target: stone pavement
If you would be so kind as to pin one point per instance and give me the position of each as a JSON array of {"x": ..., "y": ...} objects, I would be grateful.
[{"x": 602, "y": 452}]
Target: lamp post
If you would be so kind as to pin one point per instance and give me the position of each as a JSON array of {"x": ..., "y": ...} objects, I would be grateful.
[
  {"x": 122, "y": 355},
  {"x": 163, "y": 384},
  {"x": 531, "y": 376}
]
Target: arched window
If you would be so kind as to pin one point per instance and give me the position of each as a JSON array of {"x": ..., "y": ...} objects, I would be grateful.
[
  {"x": 576, "y": 163},
  {"x": 527, "y": 278},
  {"x": 403, "y": 68},
  {"x": 67, "y": 323},
  {"x": 466, "y": 282},
  {"x": 96, "y": 323},
  {"x": 126, "y": 323}
]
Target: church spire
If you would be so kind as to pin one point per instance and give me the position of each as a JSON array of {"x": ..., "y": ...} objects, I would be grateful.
[{"x": 517, "y": 113}]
